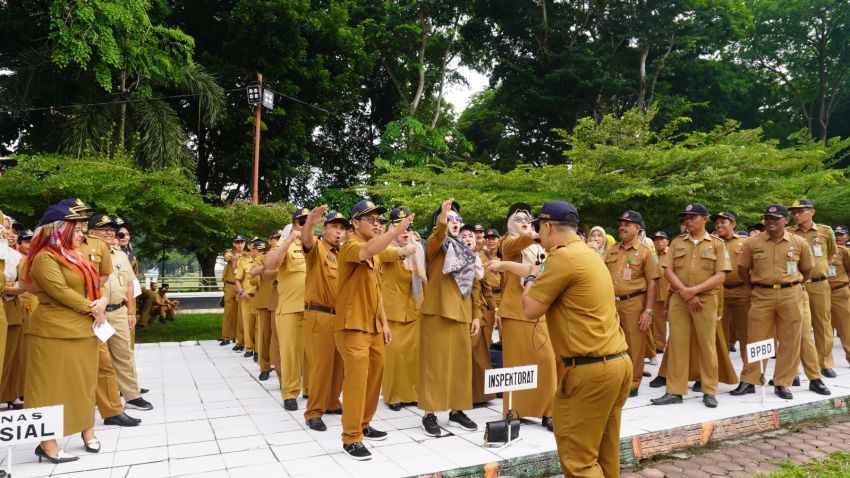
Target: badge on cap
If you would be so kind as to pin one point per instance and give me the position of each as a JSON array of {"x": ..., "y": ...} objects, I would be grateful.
[
  {"x": 772, "y": 209},
  {"x": 401, "y": 214},
  {"x": 689, "y": 207}
]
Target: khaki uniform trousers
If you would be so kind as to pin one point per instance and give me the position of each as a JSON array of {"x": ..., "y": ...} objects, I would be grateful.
[
  {"x": 13, "y": 365},
  {"x": 704, "y": 325},
  {"x": 819, "y": 305},
  {"x": 840, "y": 313},
  {"x": 629, "y": 312},
  {"x": 240, "y": 328},
  {"x": 776, "y": 311},
  {"x": 121, "y": 353},
  {"x": 725, "y": 370},
  {"x": 106, "y": 395},
  {"x": 249, "y": 322},
  {"x": 808, "y": 347},
  {"x": 231, "y": 311},
  {"x": 735, "y": 313},
  {"x": 588, "y": 407},
  {"x": 363, "y": 363},
  {"x": 264, "y": 339},
  {"x": 290, "y": 335},
  {"x": 659, "y": 326},
  {"x": 324, "y": 364}
]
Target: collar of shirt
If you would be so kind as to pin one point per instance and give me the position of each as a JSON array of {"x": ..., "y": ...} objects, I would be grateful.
[
  {"x": 705, "y": 237},
  {"x": 633, "y": 245}
]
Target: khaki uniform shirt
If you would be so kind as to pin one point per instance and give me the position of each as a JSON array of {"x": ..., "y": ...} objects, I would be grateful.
[
  {"x": 842, "y": 266},
  {"x": 63, "y": 308},
  {"x": 638, "y": 262},
  {"x": 511, "y": 305},
  {"x": 583, "y": 319},
  {"x": 115, "y": 287},
  {"x": 359, "y": 289},
  {"x": 663, "y": 290},
  {"x": 290, "y": 280},
  {"x": 693, "y": 263},
  {"x": 98, "y": 253},
  {"x": 768, "y": 260},
  {"x": 321, "y": 283},
  {"x": 734, "y": 246},
  {"x": 491, "y": 286},
  {"x": 442, "y": 295},
  {"x": 243, "y": 269},
  {"x": 822, "y": 240},
  {"x": 397, "y": 287},
  {"x": 264, "y": 298}
]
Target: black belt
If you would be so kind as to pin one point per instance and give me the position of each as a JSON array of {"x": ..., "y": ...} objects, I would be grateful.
[
  {"x": 114, "y": 307},
  {"x": 497, "y": 291},
  {"x": 621, "y": 298},
  {"x": 733, "y": 286},
  {"x": 319, "y": 308},
  {"x": 250, "y": 294},
  {"x": 840, "y": 286},
  {"x": 572, "y": 362},
  {"x": 230, "y": 282},
  {"x": 818, "y": 279},
  {"x": 777, "y": 286}
]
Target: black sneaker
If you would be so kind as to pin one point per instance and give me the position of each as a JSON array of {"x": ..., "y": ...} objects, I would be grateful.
[
  {"x": 290, "y": 404},
  {"x": 375, "y": 435},
  {"x": 317, "y": 424},
  {"x": 224, "y": 342},
  {"x": 459, "y": 419},
  {"x": 248, "y": 354},
  {"x": 429, "y": 425},
  {"x": 357, "y": 451},
  {"x": 143, "y": 391},
  {"x": 264, "y": 376},
  {"x": 547, "y": 423},
  {"x": 256, "y": 356},
  {"x": 238, "y": 348},
  {"x": 138, "y": 404}
]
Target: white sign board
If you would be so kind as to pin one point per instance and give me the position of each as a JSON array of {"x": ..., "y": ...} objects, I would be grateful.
[
  {"x": 510, "y": 379},
  {"x": 31, "y": 425},
  {"x": 761, "y": 350}
]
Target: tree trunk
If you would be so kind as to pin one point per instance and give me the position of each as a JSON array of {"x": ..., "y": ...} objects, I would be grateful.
[
  {"x": 122, "y": 120},
  {"x": 823, "y": 119},
  {"x": 420, "y": 87},
  {"x": 641, "y": 99},
  {"x": 207, "y": 262}
]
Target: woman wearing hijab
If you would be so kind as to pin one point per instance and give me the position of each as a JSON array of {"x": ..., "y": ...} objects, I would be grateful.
[
  {"x": 402, "y": 284},
  {"x": 597, "y": 240},
  {"x": 525, "y": 342},
  {"x": 62, "y": 350},
  {"x": 480, "y": 346},
  {"x": 445, "y": 350}
]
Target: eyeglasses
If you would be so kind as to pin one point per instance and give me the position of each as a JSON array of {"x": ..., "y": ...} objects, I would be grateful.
[
  {"x": 121, "y": 235},
  {"x": 522, "y": 219},
  {"x": 372, "y": 220},
  {"x": 454, "y": 218},
  {"x": 104, "y": 229},
  {"x": 302, "y": 221}
]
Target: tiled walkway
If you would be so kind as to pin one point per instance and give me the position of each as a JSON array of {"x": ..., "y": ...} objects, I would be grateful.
[{"x": 212, "y": 418}]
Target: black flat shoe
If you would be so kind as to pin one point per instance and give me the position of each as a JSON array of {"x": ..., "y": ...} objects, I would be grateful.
[
  {"x": 783, "y": 392},
  {"x": 224, "y": 342},
  {"x": 338, "y": 411},
  {"x": 256, "y": 356},
  {"x": 818, "y": 387},
  {"x": 15, "y": 406},
  {"x": 249, "y": 353},
  {"x": 794, "y": 383},
  {"x": 264, "y": 376},
  {"x": 61, "y": 457},
  {"x": 659, "y": 351},
  {"x": 709, "y": 401},
  {"x": 238, "y": 348},
  {"x": 547, "y": 423},
  {"x": 658, "y": 382},
  {"x": 633, "y": 392},
  {"x": 667, "y": 399},
  {"x": 316, "y": 424},
  {"x": 646, "y": 373},
  {"x": 828, "y": 372},
  {"x": 743, "y": 389},
  {"x": 394, "y": 406},
  {"x": 290, "y": 404},
  {"x": 697, "y": 386},
  {"x": 92, "y": 446},
  {"x": 143, "y": 391},
  {"x": 122, "y": 420}
]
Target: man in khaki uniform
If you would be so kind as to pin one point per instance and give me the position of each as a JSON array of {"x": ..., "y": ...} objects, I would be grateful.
[
  {"x": 149, "y": 300},
  {"x": 120, "y": 312},
  {"x": 266, "y": 301},
  {"x": 323, "y": 360},
  {"x": 245, "y": 292},
  {"x": 634, "y": 272},
  {"x": 840, "y": 297},
  {"x": 822, "y": 241},
  {"x": 493, "y": 281},
  {"x": 231, "y": 306},
  {"x": 576, "y": 294},
  {"x": 695, "y": 267},
  {"x": 659, "y": 320},
  {"x": 287, "y": 259},
  {"x": 773, "y": 265},
  {"x": 360, "y": 329},
  {"x": 736, "y": 297}
]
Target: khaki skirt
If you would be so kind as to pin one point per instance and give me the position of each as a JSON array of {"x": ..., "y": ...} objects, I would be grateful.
[
  {"x": 62, "y": 372},
  {"x": 527, "y": 343},
  {"x": 445, "y": 365},
  {"x": 401, "y": 363}
]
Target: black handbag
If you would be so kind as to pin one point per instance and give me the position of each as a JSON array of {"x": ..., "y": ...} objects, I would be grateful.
[{"x": 497, "y": 431}]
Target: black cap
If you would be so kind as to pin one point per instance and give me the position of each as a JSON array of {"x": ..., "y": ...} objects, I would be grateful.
[
  {"x": 65, "y": 210},
  {"x": 276, "y": 233},
  {"x": 694, "y": 209},
  {"x": 238, "y": 238},
  {"x": 334, "y": 216},
  {"x": 632, "y": 216},
  {"x": 455, "y": 207},
  {"x": 492, "y": 233},
  {"x": 755, "y": 227},
  {"x": 468, "y": 227},
  {"x": 519, "y": 206},
  {"x": 660, "y": 234},
  {"x": 724, "y": 215},
  {"x": 776, "y": 210},
  {"x": 801, "y": 204},
  {"x": 28, "y": 234},
  {"x": 841, "y": 230},
  {"x": 365, "y": 207},
  {"x": 261, "y": 246},
  {"x": 558, "y": 211},
  {"x": 300, "y": 212},
  {"x": 100, "y": 220},
  {"x": 479, "y": 228},
  {"x": 399, "y": 213}
]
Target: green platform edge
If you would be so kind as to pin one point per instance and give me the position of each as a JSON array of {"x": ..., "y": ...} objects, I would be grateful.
[{"x": 547, "y": 463}]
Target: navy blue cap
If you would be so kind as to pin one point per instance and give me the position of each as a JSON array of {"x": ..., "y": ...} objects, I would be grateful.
[
  {"x": 65, "y": 210},
  {"x": 399, "y": 213},
  {"x": 479, "y": 228},
  {"x": 841, "y": 229},
  {"x": 365, "y": 207},
  {"x": 659, "y": 234},
  {"x": 801, "y": 204},
  {"x": 776, "y": 210},
  {"x": 261, "y": 245},
  {"x": 26, "y": 234},
  {"x": 632, "y": 216},
  {"x": 724, "y": 215},
  {"x": 519, "y": 206},
  {"x": 741, "y": 233},
  {"x": 300, "y": 212},
  {"x": 492, "y": 233},
  {"x": 100, "y": 220},
  {"x": 558, "y": 211},
  {"x": 694, "y": 209},
  {"x": 334, "y": 216},
  {"x": 239, "y": 237},
  {"x": 276, "y": 233}
]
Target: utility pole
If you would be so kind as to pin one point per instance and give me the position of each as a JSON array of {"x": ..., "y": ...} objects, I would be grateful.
[{"x": 258, "y": 114}]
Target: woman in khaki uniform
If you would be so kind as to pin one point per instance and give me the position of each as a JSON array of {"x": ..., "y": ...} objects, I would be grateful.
[
  {"x": 12, "y": 387},
  {"x": 402, "y": 285},
  {"x": 62, "y": 351}
]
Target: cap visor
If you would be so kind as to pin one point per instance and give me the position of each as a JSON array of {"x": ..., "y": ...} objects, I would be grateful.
[{"x": 379, "y": 209}]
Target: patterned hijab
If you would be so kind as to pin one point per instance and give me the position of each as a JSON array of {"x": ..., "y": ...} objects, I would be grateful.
[{"x": 57, "y": 238}]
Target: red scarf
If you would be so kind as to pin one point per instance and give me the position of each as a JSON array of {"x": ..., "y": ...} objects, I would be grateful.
[{"x": 57, "y": 238}]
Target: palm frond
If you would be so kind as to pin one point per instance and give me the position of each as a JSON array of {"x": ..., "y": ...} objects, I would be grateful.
[
  {"x": 159, "y": 141},
  {"x": 196, "y": 80}
]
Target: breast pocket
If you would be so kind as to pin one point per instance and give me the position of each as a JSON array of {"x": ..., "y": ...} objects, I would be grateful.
[
  {"x": 760, "y": 256},
  {"x": 708, "y": 260},
  {"x": 679, "y": 258},
  {"x": 296, "y": 261}
]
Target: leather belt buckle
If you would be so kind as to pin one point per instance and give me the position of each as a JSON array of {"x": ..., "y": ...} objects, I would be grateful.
[{"x": 777, "y": 286}]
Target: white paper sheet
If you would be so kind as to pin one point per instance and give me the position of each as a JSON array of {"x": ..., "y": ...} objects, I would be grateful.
[
  {"x": 104, "y": 331},
  {"x": 137, "y": 288}
]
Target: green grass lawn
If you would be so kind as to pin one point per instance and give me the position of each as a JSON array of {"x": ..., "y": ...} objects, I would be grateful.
[
  {"x": 836, "y": 466},
  {"x": 184, "y": 327}
]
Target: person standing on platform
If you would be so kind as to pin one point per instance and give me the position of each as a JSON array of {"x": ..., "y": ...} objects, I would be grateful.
[
  {"x": 821, "y": 238},
  {"x": 774, "y": 265},
  {"x": 324, "y": 363},
  {"x": 361, "y": 332},
  {"x": 231, "y": 306},
  {"x": 838, "y": 283},
  {"x": 574, "y": 290},
  {"x": 403, "y": 279},
  {"x": 695, "y": 269},
  {"x": 634, "y": 271},
  {"x": 736, "y": 297}
]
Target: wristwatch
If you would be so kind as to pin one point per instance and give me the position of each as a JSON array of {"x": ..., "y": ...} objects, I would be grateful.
[
  {"x": 649, "y": 312},
  {"x": 528, "y": 278}
]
